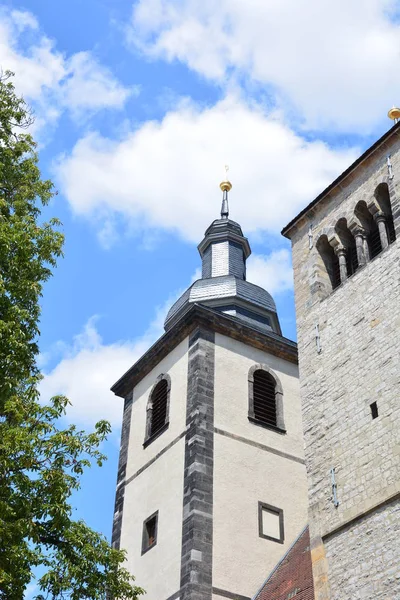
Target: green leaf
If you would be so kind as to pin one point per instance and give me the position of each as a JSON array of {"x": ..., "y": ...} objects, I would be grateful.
[{"x": 40, "y": 463}]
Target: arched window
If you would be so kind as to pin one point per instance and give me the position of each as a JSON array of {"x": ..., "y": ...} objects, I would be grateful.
[
  {"x": 374, "y": 240},
  {"x": 330, "y": 263},
  {"x": 158, "y": 408},
  {"x": 349, "y": 243},
  {"x": 383, "y": 198},
  {"x": 265, "y": 398},
  {"x": 365, "y": 230}
]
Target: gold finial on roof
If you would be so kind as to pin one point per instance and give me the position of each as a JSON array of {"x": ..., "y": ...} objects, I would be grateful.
[
  {"x": 394, "y": 114},
  {"x": 226, "y": 185}
]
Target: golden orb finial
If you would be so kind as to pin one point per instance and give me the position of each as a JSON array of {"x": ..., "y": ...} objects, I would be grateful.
[
  {"x": 394, "y": 114},
  {"x": 226, "y": 185}
]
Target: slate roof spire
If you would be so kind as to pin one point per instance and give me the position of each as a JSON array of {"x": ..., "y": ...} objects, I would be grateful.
[{"x": 224, "y": 251}]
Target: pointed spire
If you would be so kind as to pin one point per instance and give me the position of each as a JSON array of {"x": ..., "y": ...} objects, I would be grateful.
[{"x": 225, "y": 186}]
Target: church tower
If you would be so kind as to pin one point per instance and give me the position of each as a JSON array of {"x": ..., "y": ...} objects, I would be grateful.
[
  {"x": 346, "y": 260},
  {"x": 211, "y": 488}
]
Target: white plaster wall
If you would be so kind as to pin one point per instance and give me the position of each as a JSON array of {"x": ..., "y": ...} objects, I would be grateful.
[
  {"x": 159, "y": 487},
  {"x": 243, "y": 476},
  {"x": 233, "y": 361},
  {"x": 175, "y": 364}
]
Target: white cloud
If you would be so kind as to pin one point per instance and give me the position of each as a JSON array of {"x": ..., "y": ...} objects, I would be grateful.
[
  {"x": 51, "y": 81},
  {"x": 166, "y": 174},
  {"x": 24, "y": 20},
  {"x": 91, "y": 86},
  {"x": 273, "y": 272},
  {"x": 87, "y": 370},
  {"x": 88, "y": 367},
  {"x": 335, "y": 61},
  {"x": 37, "y": 68}
]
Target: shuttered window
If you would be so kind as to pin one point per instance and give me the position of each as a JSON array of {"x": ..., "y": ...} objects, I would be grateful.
[
  {"x": 374, "y": 242},
  {"x": 159, "y": 399},
  {"x": 391, "y": 229},
  {"x": 351, "y": 259},
  {"x": 264, "y": 398}
]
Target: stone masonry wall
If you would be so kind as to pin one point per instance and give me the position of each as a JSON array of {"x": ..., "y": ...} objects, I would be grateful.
[
  {"x": 379, "y": 532},
  {"x": 356, "y": 363}
]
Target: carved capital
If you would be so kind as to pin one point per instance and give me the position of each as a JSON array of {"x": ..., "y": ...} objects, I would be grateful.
[
  {"x": 379, "y": 217},
  {"x": 334, "y": 241},
  {"x": 340, "y": 250},
  {"x": 373, "y": 206}
]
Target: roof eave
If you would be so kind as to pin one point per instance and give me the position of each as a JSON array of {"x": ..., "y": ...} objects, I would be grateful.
[
  {"x": 286, "y": 230},
  {"x": 194, "y": 316},
  {"x": 223, "y": 236}
]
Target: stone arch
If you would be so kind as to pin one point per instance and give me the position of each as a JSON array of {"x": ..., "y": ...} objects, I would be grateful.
[
  {"x": 383, "y": 200},
  {"x": 347, "y": 246},
  {"x": 328, "y": 232},
  {"x": 280, "y": 424},
  {"x": 149, "y": 435},
  {"x": 327, "y": 262},
  {"x": 362, "y": 226},
  {"x": 369, "y": 229}
]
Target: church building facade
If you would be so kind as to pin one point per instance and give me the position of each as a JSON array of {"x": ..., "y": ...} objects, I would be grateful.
[
  {"x": 212, "y": 486},
  {"x": 346, "y": 261},
  {"x": 236, "y": 478}
]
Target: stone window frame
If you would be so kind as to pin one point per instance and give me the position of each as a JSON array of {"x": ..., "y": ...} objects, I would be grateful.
[
  {"x": 279, "y": 512},
  {"x": 280, "y": 422},
  {"x": 148, "y": 439},
  {"x": 145, "y": 545}
]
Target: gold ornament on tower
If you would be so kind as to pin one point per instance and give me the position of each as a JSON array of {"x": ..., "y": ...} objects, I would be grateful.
[
  {"x": 394, "y": 114},
  {"x": 226, "y": 185}
]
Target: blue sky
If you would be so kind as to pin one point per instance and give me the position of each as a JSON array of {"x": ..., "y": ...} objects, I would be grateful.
[{"x": 139, "y": 105}]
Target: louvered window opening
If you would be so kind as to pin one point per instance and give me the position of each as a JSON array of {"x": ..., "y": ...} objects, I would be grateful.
[
  {"x": 351, "y": 260},
  {"x": 264, "y": 404},
  {"x": 159, "y": 403},
  {"x": 375, "y": 246},
  {"x": 335, "y": 279},
  {"x": 391, "y": 230}
]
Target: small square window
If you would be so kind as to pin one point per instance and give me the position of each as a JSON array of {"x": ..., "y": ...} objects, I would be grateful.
[
  {"x": 270, "y": 522},
  {"x": 149, "y": 538},
  {"x": 374, "y": 410}
]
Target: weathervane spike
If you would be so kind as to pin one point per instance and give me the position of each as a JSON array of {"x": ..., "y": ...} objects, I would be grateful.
[{"x": 225, "y": 186}]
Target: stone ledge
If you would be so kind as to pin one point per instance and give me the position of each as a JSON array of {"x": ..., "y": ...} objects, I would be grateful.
[{"x": 360, "y": 515}]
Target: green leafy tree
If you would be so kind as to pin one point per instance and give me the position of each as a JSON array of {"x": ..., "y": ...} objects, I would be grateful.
[{"x": 41, "y": 463}]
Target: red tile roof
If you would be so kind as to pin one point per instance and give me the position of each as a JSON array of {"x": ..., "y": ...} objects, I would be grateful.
[{"x": 292, "y": 577}]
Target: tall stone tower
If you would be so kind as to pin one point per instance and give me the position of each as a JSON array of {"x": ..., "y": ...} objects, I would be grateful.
[
  {"x": 346, "y": 259},
  {"x": 211, "y": 486}
]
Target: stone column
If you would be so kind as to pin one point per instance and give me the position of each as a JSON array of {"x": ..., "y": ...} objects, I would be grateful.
[
  {"x": 380, "y": 220},
  {"x": 366, "y": 247},
  {"x": 341, "y": 254},
  {"x": 198, "y": 479},
  {"x": 359, "y": 236}
]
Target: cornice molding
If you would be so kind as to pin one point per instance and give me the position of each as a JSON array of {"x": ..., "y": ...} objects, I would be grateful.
[{"x": 195, "y": 316}]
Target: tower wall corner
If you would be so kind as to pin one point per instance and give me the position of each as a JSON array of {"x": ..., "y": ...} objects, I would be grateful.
[{"x": 349, "y": 343}]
